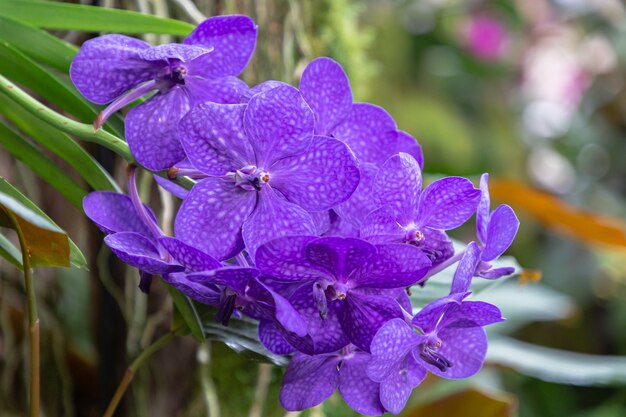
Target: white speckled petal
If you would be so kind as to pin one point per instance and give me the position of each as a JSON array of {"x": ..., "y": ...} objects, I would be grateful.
[
  {"x": 233, "y": 39},
  {"x": 109, "y": 65},
  {"x": 151, "y": 129},
  {"x": 273, "y": 340},
  {"x": 393, "y": 341},
  {"x": 399, "y": 184},
  {"x": 308, "y": 381},
  {"x": 448, "y": 203},
  {"x": 274, "y": 217},
  {"x": 363, "y": 200},
  {"x": 225, "y": 90},
  {"x": 213, "y": 138},
  {"x": 284, "y": 259},
  {"x": 465, "y": 269},
  {"x": 138, "y": 251},
  {"x": 211, "y": 216},
  {"x": 395, "y": 265},
  {"x": 396, "y": 390},
  {"x": 279, "y": 123},
  {"x": 325, "y": 175},
  {"x": 326, "y": 88},
  {"x": 360, "y": 392},
  {"x": 502, "y": 229},
  {"x": 114, "y": 212},
  {"x": 363, "y": 315},
  {"x": 366, "y": 132},
  {"x": 483, "y": 210},
  {"x": 191, "y": 258}
]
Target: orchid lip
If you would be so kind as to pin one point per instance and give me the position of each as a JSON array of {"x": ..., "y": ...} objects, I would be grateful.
[
  {"x": 250, "y": 178},
  {"x": 430, "y": 355}
]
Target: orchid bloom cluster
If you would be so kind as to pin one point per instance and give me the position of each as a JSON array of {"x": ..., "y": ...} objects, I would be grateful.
[{"x": 308, "y": 215}]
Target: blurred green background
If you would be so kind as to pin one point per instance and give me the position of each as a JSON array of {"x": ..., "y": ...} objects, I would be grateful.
[{"x": 531, "y": 91}]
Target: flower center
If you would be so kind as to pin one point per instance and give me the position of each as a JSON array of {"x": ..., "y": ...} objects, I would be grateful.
[
  {"x": 428, "y": 352},
  {"x": 414, "y": 236},
  {"x": 251, "y": 178}
]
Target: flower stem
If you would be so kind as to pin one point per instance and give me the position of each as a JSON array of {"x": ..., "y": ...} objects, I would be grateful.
[
  {"x": 72, "y": 127},
  {"x": 33, "y": 323},
  {"x": 444, "y": 265},
  {"x": 130, "y": 371}
]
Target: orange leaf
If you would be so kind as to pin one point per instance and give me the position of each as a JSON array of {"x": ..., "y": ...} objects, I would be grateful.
[
  {"x": 468, "y": 403},
  {"x": 552, "y": 212}
]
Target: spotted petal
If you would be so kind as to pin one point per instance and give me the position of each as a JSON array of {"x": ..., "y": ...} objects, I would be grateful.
[
  {"x": 233, "y": 39},
  {"x": 363, "y": 200},
  {"x": 339, "y": 256},
  {"x": 225, "y": 90},
  {"x": 109, "y": 65},
  {"x": 395, "y": 265},
  {"x": 284, "y": 259},
  {"x": 381, "y": 226},
  {"x": 466, "y": 269},
  {"x": 464, "y": 348},
  {"x": 360, "y": 392},
  {"x": 188, "y": 256},
  {"x": 274, "y": 217},
  {"x": 308, "y": 381},
  {"x": 365, "y": 131},
  {"x": 325, "y": 175},
  {"x": 363, "y": 315},
  {"x": 390, "y": 345},
  {"x": 170, "y": 51},
  {"x": 272, "y": 339},
  {"x": 472, "y": 314},
  {"x": 151, "y": 129},
  {"x": 396, "y": 389},
  {"x": 326, "y": 88},
  {"x": 114, "y": 212},
  {"x": 399, "y": 184},
  {"x": 279, "y": 123},
  {"x": 408, "y": 144},
  {"x": 211, "y": 216},
  {"x": 483, "y": 211},
  {"x": 213, "y": 138},
  {"x": 136, "y": 250},
  {"x": 448, "y": 203},
  {"x": 501, "y": 231}
]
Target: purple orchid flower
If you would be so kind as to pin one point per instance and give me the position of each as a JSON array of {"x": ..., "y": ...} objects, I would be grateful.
[
  {"x": 348, "y": 286},
  {"x": 445, "y": 338},
  {"x": 118, "y": 69},
  {"x": 309, "y": 380},
  {"x": 132, "y": 231},
  {"x": 369, "y": 131},
  {"x": 496, "y": 231},
  {"x": 418, "y": 217},
  {"x": 266, "y": 172}
]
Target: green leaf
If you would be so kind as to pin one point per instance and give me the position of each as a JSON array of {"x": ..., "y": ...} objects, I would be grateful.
[
  {"x": 9, "y": 252},
  {"x": 46, "y": 243},
  {"x": 23, "y": 70},
  {"x": 524, "y": 304},
  {"x": 241, "y": 335},
  {"x": 559, "y": 366},
  {"x": 185, "y": 312},
  {"x": 77, "y": 259},
  {"x": 38, "y": 44},
  {"x": 42, "y": 166},
  {"x": 52, "y": 15},
  {"x": 60, "y": 144}
]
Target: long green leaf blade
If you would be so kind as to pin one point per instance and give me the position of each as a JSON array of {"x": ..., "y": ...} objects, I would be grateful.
[
  {"x": 9, "y": 252},
  {"x": 77, "y": 258},
  {"x": 554, "y": 365},
  {"x": 38, "y": 44},
  {"x": 52, "y": 15},
  {"x": 41, "y": 165},
  {"x": 60, "y": 144}
]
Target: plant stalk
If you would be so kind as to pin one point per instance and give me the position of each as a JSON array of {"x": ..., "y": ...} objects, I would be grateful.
[{"x": 136, "y": 364}]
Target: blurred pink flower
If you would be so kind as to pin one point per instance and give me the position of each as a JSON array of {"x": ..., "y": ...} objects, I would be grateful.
[{"x": 486, "y": 37}]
